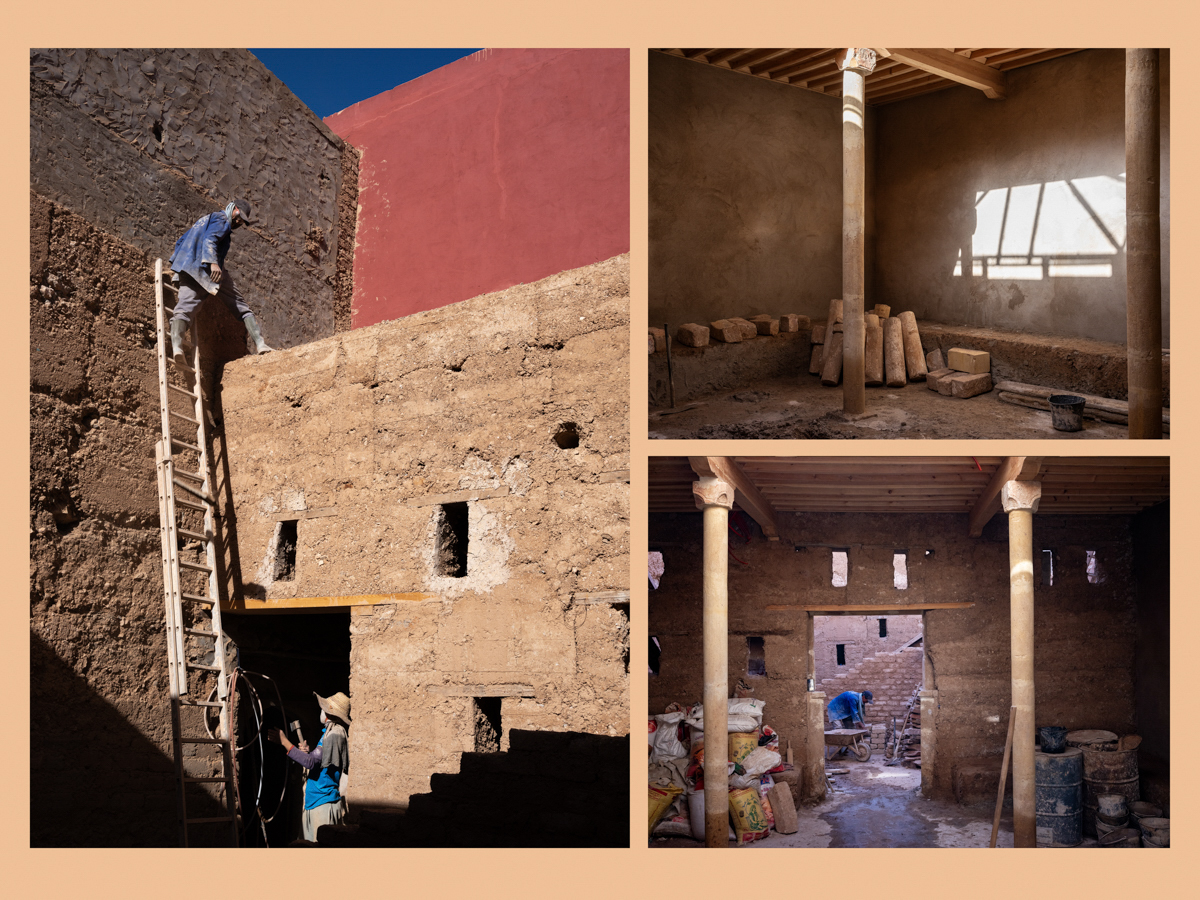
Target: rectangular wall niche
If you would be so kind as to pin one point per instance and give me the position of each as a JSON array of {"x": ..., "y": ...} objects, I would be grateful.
[
  {"x": 900, "y": 571},
  {"x": 655, "y": 655},
  {"x": 841, "y": 654},
  {"x": 487, "y": 724},
  {"x": 284, "y": 551},
  {"x": 841, "y": 568},
  {"x": 452, "y": 539},
  {"x": 1047, "y": 567},
  {"x": 757, "y": 656},
  {"x": 1095, "y": 572}
]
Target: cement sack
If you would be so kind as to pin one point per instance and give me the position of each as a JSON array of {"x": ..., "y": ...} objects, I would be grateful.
[
  {"x": 745, "y": 715},
  {"x": 664, "y": 739},
  {"x": 740, "y": 724},
  {"x": 660, "y": 799},
  {"x": 760, "y": 761},
  {"x": 765, "y": 783},
  {"x": 749, "y": 820},
  {"x": 696, "y": 816},
  {"x": 674, "y": 824}
]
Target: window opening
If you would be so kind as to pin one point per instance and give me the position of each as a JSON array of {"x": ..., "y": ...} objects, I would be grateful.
[
  {"x": 757, "y": 663},
  {"x": 883, "y": 628},
  {"x": 1047, "y": 567},
  {"x": 452, "y": 540},
  {"x": 655, "y": 655},
  {"x": 900, "y": 570},
  {"x": 285, "y": 551},
  {"x": 841, "y": 567},
  {"x": 1095, "y": 572},
  {"x": 487, "y": 724},
  {"x": 841, "y": 654}
]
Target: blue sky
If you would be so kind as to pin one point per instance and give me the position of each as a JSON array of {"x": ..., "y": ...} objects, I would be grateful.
[{"x": 328, "y": 81}]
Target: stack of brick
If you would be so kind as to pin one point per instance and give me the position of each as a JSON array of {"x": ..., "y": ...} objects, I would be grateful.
[
  {"x": 732, "y": 330},
  {"x": 963, "y": 373},
  {"x": 892, "y": 678}
]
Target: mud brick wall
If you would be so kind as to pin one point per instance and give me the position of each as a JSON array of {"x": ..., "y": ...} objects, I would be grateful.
[
  {"x": 1084, "y": 632},
  {"x": 381, "y": 426},
  {"x": 144, "y": 142},
  {"x": 860, "y": 637},
  {"x": 98, "y": 677},
  {"x": 890, "y": 677}
]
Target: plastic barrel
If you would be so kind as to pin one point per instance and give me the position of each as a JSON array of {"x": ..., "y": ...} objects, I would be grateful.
[
  {"x": 1058, "y": 780},
  {"x": 1107, "y": 772}
]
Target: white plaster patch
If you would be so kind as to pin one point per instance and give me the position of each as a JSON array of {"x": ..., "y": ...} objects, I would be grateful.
[
  {"x": 488, "y": 548},
  {"x": 266, "y": 571},
  {"x": 515, "y": 475},
  {"x": 478, "y": 474}
]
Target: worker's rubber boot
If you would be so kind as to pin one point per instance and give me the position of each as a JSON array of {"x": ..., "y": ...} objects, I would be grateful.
[
  {"x": 178, "y": 328},
  {"x": 260, "y": 346}
]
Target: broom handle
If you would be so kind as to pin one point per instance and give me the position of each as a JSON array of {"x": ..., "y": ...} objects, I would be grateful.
[{"x": 1003, "y": 775}]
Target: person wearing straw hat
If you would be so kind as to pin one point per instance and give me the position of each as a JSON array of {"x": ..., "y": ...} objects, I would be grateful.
[
  {"x": 198, "y": 263},
  {"x": 327, "y": 765}
]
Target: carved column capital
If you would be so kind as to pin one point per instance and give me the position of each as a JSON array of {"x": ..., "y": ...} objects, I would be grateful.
[
  {"x": 859, "y": 59},
  {"x": 1020, "y": 495},
  {"x": 712, "y": 492}
]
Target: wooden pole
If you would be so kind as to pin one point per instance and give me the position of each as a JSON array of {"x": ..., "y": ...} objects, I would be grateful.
[
  {"x": 1143, "y": 264},
  {"x": 1012, "y": 718},
  {"x": 670, "y": 373}
]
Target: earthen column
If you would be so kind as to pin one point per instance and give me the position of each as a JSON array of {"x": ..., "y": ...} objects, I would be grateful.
[
  {"x": 715, "y": 497},
  {"x": 1020, "y": 501},
  {"x": 856, "y": 63},
  {"x": 1143, "y": 266}
]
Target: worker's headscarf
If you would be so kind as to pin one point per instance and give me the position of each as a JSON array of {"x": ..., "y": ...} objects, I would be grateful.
[{"x": 229, "y": 211}]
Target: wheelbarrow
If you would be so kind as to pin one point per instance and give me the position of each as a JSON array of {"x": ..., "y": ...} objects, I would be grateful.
[{"x": 857, "y": 740}]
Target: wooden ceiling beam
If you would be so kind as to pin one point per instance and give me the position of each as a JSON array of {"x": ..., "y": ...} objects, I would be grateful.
[
  {"x": 721, "y": 57},
  {"x": 954, "y": 67},
  {"x": 748, "y": 61},
  {"x": 1015, "y": 468},
  {"x": 749, "y": 498},
  {"x": 788, "y": 58}
]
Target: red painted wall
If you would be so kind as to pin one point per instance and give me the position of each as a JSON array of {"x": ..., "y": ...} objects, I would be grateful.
[{"x": 499, "y": 169}]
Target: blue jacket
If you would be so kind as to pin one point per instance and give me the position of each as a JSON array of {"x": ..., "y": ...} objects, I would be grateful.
[
  {"x": 847, "y": 705},
  {"x": 204, "y": 243}
]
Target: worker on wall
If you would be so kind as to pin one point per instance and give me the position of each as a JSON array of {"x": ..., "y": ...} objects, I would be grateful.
[
  {"x": 198, "y": 262},
  {"x": 327, "y": 765},
  {"x": 847, "y": 709}
]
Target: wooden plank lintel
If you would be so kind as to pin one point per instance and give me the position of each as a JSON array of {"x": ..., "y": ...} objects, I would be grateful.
[
  {"x": 602, "y": 597},
  {"x": 610, "y": 477},
  {"x": 853, "y": 608},
  {"x": 317, "y": 604},
  {"x": 455, "y": 497},
  {"x": 480, "y": 690},
  {"x": 292, "y": 515}
]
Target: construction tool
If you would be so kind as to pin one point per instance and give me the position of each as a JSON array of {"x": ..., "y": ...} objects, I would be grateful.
[
  {"x": 294, "y": 727},
  {"x": 185, "y": 492}
]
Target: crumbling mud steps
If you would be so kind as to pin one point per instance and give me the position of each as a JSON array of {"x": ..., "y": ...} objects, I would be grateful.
[{"x": 549, "y": 789}]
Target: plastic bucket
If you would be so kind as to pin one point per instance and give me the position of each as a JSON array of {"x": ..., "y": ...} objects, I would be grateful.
[
  {"x": 1066, "y": 412},
  {"x": 1122, "y": 837},
  {"x": 1054, "y": 738},
  {"x": 1107, "y": 772}
]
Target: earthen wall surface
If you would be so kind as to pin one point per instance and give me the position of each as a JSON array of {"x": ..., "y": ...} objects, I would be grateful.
[
  {"x": 1062, "y": 121},
  {"x": 496, "y": 170},
  {"x": 1084, "y": 632},
  {"x": 1152, "y": 565},
  {"x": 142, "y": 143},
  {"x": 373, "y": 431},
  {"x": 860, "y": 636}
]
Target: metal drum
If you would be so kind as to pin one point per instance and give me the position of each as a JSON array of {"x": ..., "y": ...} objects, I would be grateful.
[
  {"x": 1107, "y": 772},
  {"x": 1058, "y": 778}
]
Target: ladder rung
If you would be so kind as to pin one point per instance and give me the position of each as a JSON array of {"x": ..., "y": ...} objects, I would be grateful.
[
  {"x": 213, "y": 703},
  {"x": 190, "y": 505},
  {"x": 226, "y": 820},
  {"x": 195, "y": 566},
  {"x": 191, "y": 476},
  {"x": 200, "y": 632},
  {"x": 213, "y": 778},
  {"x": 204, "y": 668},
  {"x": 193, "y": 491},
  {"x": 177, "y": 389},
  {"x": 184, "y": 368},
  {"x": 169, "y": 285},
  {"x": 185, "y": 445},
  {"x": 182, "y": 416},
  {"x": 184, "y": 739},
  {"x": 193, "y": 535},
  {"x": 196, "y": 598}
]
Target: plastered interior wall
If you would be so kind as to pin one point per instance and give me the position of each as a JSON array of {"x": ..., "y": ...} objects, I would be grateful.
[
  {"x": 496, "y": 170},
  {"x": 745, "y": 195},
  {"x": 1152, "y": 661},
  {"x": 1062, "y": 126},
  {"x": 1084, "y": 632},
  {"x": 144, "y": 142},
  {"x": 373, "y": 431}
]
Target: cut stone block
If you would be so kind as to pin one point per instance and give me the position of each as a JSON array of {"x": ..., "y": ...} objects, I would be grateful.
[
  {"x": 882, "y": 310},
  {"x": 692, "y": 335},
  {"x": 784, "y": 808},
  {"x": 870, "y": 320},
  {"x": 873, "y": 353},
  {"x": 818, "y": 358},
  {"x": 792, "y": 322},
  {"x": 893, "y": 353},
  {"x": 973, "y": 362},
  {"x": 749, "y": 329},
  {"x": 725, "y": 330},
  {"x": 818, "y": 334},
  {"x": 936, "y": 375},
  {"x": 766, "y": 325},
  {"x": 914, "y": 354},
  {"x": 660, "y": 339},
  {"x": 835, "y": 312},
  {"x": 935, "y": 360},
  {"x": 650, "y": 343},
  {"x": 965, "y": 386},
  {"x": 831, "y": 363}
]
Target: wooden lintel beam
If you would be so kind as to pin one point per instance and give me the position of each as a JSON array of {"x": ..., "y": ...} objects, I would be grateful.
[
  {"x": 957, "y": 68},
  {"x": 321, "y": 604},
  {"x": 856, "y": 608},
  {"x": 749, "y": 497}
]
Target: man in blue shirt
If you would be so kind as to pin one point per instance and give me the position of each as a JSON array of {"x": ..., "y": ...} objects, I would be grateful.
[
  {"x": 327, "y": 765},
  {"x": 846, "y": 710},
  {"x": 198, "y": 262}
]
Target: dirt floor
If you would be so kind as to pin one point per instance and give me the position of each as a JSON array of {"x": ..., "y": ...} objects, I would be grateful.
[
  {"x": 802, "y": 408},
  {"x": 876, "y": 805}
]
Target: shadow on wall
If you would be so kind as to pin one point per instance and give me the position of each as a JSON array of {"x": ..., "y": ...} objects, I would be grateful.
[{"x": 94, "y": 779}]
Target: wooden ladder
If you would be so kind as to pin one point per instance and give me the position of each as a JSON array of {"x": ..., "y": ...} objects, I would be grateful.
[{"x": 180, "y": 489}]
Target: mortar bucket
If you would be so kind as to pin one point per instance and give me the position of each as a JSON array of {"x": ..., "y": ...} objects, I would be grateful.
[
  {"x": 1066, "y": 412},
  {"x": 1054, "y": 738}
]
